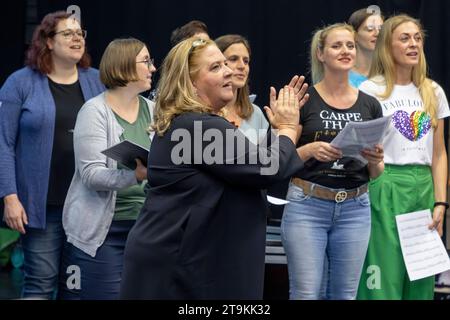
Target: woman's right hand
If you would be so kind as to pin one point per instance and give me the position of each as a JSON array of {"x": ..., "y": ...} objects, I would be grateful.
[
  {"x": 140, "y": 171},
  {"x": 321, "y": 151},
  {"x": 14, "y": 213}
]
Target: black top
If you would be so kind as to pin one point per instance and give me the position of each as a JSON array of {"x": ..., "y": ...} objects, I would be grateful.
[
  {"x": 68, "y": 101},
  {"x": 322, "y": 122},
  {"x": 201, "y": 233}
]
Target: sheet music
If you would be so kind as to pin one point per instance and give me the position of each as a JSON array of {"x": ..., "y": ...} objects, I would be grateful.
[
  {"x": 423, "y": 251},
  {"x": 357, "y": 136},
  {"x": 276, "y": 201}
]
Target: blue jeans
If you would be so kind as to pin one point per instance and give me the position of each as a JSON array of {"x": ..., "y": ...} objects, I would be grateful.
[
  {"x": 325, "y": 244},
  {"x": 42, "y": 251},
  {"x": 100, "y": 276}
]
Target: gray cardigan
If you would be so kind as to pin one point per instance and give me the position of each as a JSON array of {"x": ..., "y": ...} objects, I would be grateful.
[{"x": 91, "y": 199}]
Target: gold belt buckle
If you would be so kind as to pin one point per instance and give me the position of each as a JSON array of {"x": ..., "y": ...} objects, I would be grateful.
[{"x": 341, "y": 196}]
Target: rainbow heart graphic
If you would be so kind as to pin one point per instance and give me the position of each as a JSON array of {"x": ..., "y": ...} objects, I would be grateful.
[{"x": 414, "y": 126}]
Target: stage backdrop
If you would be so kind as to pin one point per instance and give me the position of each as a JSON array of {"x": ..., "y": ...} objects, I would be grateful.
[{"x": 279, "y": 31}]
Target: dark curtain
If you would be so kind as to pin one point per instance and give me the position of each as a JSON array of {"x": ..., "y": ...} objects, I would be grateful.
[
  {"x": 12, "y": 31},
  {"x": 279, "y": 31}
]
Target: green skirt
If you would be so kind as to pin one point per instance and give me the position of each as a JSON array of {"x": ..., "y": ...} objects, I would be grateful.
[{"x": 399, "y": 190}]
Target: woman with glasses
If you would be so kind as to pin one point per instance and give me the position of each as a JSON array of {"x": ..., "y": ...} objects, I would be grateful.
[
  {"x": 367, "y": 26},
  {"x": 39, "y": 106},
  {"x": 201, "y": 233},
  {"x": 240, "y": 111},
  {"x": 326, "y": 224},
  {"x": 105, "y": 197},
  {"x": 415, "y": 177}
]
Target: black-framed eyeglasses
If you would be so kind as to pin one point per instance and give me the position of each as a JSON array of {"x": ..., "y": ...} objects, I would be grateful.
[
  {"x": 149, "y": 62},
  {"x": 69, "y": 34}
]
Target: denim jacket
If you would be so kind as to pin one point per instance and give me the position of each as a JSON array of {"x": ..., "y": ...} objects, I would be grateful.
[{"x": 27, "y": 121}]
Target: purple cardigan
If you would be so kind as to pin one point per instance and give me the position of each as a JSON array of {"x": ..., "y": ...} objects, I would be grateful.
[{"x": 27, "y": 121}]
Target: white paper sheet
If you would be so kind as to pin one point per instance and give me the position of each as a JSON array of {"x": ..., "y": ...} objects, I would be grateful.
[
  {"x": 276, "y": 201},
  {"x": 423, "y": 251},
  {"x": 357, "y": 136}
]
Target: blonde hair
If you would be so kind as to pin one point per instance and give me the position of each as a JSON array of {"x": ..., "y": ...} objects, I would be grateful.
[
  {"x": 118, "y": 64},
  {"x": 244, "y": 106},
  {"x": 176, "y": 93},
  {"x": 318, "y": 44},
  {"x": 383, "y": 64}
]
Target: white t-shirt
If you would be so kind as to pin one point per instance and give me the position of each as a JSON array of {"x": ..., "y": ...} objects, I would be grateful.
[{"x": 410, "y": 136}]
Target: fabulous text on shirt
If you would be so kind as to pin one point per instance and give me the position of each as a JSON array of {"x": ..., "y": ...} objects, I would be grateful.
[{"x": 402, "y": 103}]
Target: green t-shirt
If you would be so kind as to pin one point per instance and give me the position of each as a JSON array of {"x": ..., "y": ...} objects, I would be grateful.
[{"x": 130, "y": 200}]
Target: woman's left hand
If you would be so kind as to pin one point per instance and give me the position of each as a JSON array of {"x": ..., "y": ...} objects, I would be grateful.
[
  {"x": 141, "y": 171},
  {"x": 374, "y": 156},
  {"x": 300, "y": 88},
  {"x": 438, "y": 220}
]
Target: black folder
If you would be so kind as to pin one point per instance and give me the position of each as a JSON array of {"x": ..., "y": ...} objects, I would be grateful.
[{"x": 126, "y": 152}]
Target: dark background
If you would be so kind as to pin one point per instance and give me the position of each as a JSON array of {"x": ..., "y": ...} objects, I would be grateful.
[{"x": 279, "y": 31}]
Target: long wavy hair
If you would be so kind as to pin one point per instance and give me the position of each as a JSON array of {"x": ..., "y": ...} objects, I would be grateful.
[
  {"x": 39, "y": 55},
  {"x": 318, "y": 44},
  {"x": 383, "y": 64},
  {"x": 243, "y": 104},
  {"x": 176, "y": 93}
]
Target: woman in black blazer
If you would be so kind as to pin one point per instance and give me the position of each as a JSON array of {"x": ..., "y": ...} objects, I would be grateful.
[{"x": 201, "y": 233}]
